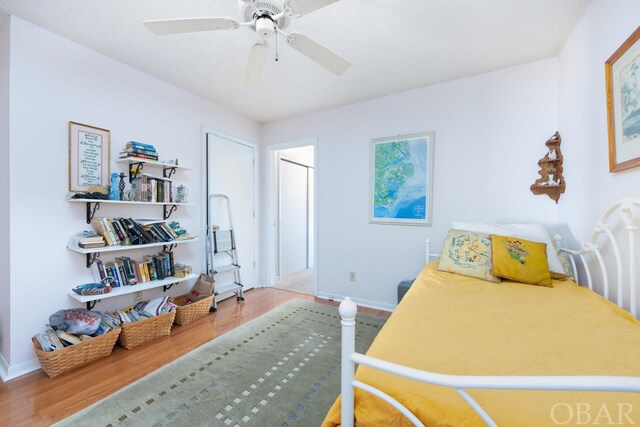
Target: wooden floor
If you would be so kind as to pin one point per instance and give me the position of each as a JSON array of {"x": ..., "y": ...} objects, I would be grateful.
[{"x": 36, "y": 400}]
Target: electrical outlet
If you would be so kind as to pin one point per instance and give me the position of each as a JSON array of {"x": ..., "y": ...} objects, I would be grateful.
[
  {"x": 137, "y": 296},
  {"x": 352, "y": 276}
]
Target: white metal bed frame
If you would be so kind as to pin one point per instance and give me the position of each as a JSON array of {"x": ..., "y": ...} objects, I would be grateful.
[{"x": 629, "y": 210}]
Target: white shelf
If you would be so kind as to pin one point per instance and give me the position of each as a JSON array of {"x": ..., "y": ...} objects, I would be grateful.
[
  {"x": 117, "y": 248},
  {"x": 124, "y": 202},
  {"x": 124, "y": 290},
  {"x": 131, "y": 161}
]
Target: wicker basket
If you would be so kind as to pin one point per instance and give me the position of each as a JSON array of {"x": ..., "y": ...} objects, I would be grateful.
[
  {"x": 186, "y": 314},
  {"x": 58, "y": 362},
  {"x": 135, "y": 333}
]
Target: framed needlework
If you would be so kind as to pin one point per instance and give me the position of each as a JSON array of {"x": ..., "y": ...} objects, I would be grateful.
[
  {"x": 401, "y": 179},
  {"x": 623, "y": 104},
  {"x": 88, "y": 156}
]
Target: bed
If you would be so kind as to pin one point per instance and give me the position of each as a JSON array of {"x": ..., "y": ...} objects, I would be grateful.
[{"x": 460, "y": 351}]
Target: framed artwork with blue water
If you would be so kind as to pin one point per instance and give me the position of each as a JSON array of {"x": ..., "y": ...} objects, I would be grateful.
[
  {"x": 401, "y": 179},
  {"x": 623, "y": 104}
]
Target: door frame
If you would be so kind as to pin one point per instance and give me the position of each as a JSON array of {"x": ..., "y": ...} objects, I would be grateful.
[
  {"x": 205, "y": 196},
  {"x": 272, "y": 201}
]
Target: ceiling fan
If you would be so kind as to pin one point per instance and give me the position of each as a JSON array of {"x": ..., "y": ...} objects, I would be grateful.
[{"x": 267, "y": 18}]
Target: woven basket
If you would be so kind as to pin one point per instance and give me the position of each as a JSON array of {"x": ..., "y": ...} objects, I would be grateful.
[
  {"x": 186, "y": 314},
  {"x": 135, "y": 333},
  {"x": 58, "y": 362}
]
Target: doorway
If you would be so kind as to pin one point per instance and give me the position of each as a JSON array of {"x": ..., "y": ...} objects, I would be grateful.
[
  {"x": 295, "y": 219},
  {"x": 230, "y": 170}
]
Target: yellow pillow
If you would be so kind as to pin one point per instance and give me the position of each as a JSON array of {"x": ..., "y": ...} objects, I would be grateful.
[
  {"x": 467, "y": 254},
  {"x": 520, "y": 260}
]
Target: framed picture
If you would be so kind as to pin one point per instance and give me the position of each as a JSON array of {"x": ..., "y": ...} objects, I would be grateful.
[
  {"x": 401, "y": 189},
  {"x": 623, "y": 104},
  {"x": 88, "y": 156}
]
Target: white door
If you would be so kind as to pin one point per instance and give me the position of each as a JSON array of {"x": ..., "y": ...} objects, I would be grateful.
[
  {"x": 231, "y": 171},
  {"x": 293, "y": 217}
]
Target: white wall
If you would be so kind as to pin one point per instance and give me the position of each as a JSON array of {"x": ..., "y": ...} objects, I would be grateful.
[
  {"x": 490, "y": 131},
  {"x": 582, "y": 115},
  {"x": 53, "y": 81},
  {"x": 5, "y": 33}
]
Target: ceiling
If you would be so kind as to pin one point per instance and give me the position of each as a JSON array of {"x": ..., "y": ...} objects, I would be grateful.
[{"x": 393, "y": 45}]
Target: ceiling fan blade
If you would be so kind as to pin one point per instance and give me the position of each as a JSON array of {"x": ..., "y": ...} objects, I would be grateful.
[
  {"x": 318, "y": 53},
  {"x": 256, "y": 64},
  {"x": 303, "y": 7},
  {"x": 163, "y": 27}
]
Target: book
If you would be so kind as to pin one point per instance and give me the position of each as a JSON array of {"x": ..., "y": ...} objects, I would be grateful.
[
  {"x": 95, "y": 239},
  {"x": 111, "y": 271},
  {"x": 153, "y": 184},
  {"x": 56, "y": 344},
  {"x": 118, "y": 230},
  {"x": 98, "y": 270},
  {"x": 168, "y": 230},
  {"x": 98, "y": 226},
  {"x": 159, "y": 264},
  {"x": 138, "y": 150},
  {"x": 124, "y": 278},
  {"x": 127, "y": 270},
  {"x": 114, "y": 231},
  {"x": 168, "y": 256},
  {"x": 143, "y": 157},
  {"x": 71, "y": 339},
  {"x": 152, "y": 270},
  {"x": 147, "y": 274},
  {"x": 92, "y": 245},
  {"x": 137, "y": 144},
  {"x": 112, "y": 236},
  {"x": 136, "y": 271}
]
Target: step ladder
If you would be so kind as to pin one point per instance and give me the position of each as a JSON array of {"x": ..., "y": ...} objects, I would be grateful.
[{"x": 222, "y": 257}]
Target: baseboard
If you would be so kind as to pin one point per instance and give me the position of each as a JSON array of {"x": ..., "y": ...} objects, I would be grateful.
[
  {"x": 9, "y": 372},
  {"x": 365, "y": 303}
]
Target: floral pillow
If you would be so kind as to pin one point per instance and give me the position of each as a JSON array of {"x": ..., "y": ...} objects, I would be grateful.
[{"x": 467, "y": 254}]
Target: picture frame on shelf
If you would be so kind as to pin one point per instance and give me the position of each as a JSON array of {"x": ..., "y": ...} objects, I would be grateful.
[
  {"x": 622, "y": 72},
  {"x": 89, "y": 156},
  {"x": 401, "y": 179}
]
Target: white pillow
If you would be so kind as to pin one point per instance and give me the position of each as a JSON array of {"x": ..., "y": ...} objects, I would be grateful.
[{"x": 533, "y": 232}]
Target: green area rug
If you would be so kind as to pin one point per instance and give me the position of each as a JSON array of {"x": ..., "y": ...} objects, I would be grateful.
[{"x": 281, "y": 369}]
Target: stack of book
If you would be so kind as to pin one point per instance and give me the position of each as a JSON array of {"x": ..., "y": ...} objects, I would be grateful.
[
  {"x": 127, "y": 272},
  {"x": 91, "y": 242},
  {"x": 53, "y": 339},
  {"x": 116, "y": 230},
  {"x": 139, "y": 151},
  {"x": 149, "y": 188},
  {"x": 146, "y": 310}
]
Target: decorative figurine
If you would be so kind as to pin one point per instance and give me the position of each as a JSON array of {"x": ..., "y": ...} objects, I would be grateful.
[
  {"x": 551, "y": 181},
  {"x": 121, "y": 186},
  {"x": 552, "y": 155},
  {"x": 182, "y": 194},
  {"x": 114, "y": 192}
]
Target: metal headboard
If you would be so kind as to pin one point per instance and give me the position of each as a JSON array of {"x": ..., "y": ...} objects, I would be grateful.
[{"x": 629, "y": 212}]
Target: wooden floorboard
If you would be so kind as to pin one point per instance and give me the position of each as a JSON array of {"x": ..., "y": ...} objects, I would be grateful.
[{"x": 36, "y": 400}]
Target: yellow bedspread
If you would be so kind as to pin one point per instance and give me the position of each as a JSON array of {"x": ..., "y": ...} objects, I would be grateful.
[{"x": 457, "y": 325}]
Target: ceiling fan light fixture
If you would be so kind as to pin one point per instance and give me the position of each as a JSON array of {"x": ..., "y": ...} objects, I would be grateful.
[{"x": 265, "y": 27}]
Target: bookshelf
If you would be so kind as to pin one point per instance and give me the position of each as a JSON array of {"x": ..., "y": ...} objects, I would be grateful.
[
  {"x": 135, "y": 167},
  {"x": 91, "y": 300},
  {"x": 166, "y": 213},
  {"x": 93, "y": 253}
]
